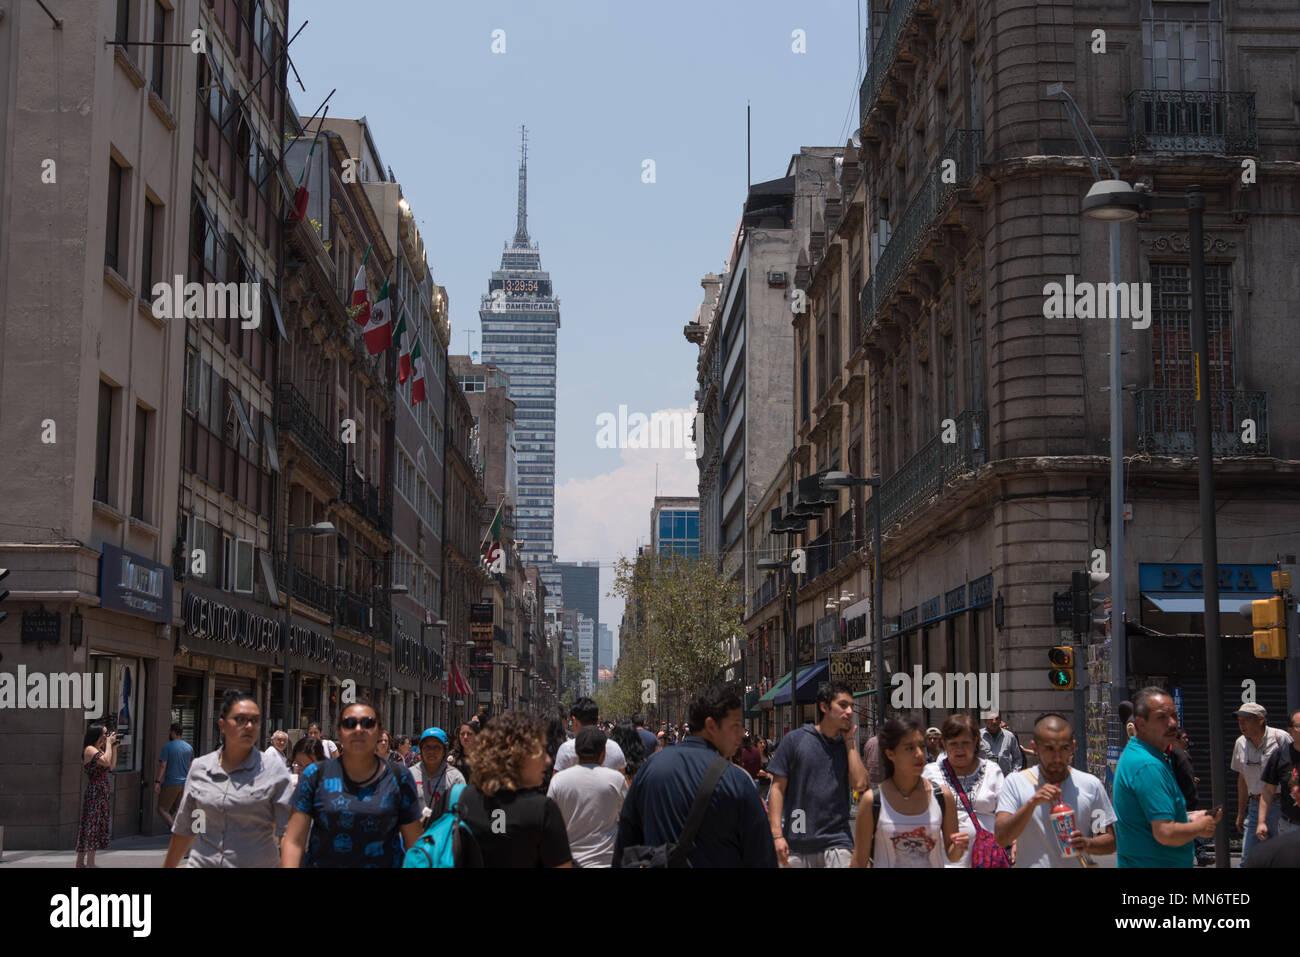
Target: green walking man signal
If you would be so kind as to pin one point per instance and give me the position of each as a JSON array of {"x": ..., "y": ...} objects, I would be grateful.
[{"x": 1061, "y": 675}]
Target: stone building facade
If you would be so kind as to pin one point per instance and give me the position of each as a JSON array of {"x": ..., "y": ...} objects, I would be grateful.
[{"x": 987, "y": 419}]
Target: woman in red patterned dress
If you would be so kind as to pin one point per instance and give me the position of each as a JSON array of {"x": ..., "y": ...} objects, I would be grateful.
[{"x": 98, "y": 757}]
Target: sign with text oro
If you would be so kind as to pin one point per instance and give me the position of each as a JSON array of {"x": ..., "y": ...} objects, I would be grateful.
[{"x": 853, "y": 668}]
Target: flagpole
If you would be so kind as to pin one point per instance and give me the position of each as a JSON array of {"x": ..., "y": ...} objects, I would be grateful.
[{"x": 490, "y": 524}]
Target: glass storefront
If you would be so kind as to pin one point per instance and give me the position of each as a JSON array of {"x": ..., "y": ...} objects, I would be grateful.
[
  {"x": 187, "y": 706},
  {"x": 124, "y": 690}
]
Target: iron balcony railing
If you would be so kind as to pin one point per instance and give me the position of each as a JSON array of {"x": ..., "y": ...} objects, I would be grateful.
[
  {"x": 307, "y": 588},
  {"x": 1167, "y": 422},
  {"x": 368, "y": 616},
  {"x": 366, "y": 499},
  {"x": 883, "y": 55},
  {"x": 819, "y": 555},
  {"x": 1181, "y": 121},
  {"x": 926, "y": 473},
  {"x": 918, "y": 220},
  {"x": 294, "y": 415}
]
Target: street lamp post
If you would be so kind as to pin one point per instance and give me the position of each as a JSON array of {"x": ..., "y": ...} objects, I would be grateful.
[
  {"x": 419, "y": 699},
  {"x": 1117, "y": 201},
  {"x": 844, "y": 480},
  {"x": 370, "y": 624},
  {"x": 320, "y": 528}
]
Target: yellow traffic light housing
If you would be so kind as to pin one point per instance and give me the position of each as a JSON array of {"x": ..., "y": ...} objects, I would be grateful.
[
  {"x": 1061, "y": 675},
  {"x": 1268, "y": 616}
]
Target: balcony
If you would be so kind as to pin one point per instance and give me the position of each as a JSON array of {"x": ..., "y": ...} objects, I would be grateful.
[
  {"x": 923, "y": 215},
  {"x": 294, "y": 416},
  {"x": 819, "y": 555},
  {"x": 926, "y": 473},
  {"x": 365, "y": 498},
  {"x": 883, "y": 55},
  {"x": 307, "y": 588},
  {"x": 1166, "y": 420},
  {"x": 353, "y": 610},
  {"x": 1177, "y": 121}
]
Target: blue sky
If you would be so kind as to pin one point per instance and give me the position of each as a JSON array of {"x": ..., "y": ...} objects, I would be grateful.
[{"x": 602, "y": 86}]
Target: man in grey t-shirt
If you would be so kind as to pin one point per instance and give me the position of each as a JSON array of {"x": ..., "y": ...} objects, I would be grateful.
[
  {"x": 1027, "y": 798},
  {"x": 590, "y": 796}
]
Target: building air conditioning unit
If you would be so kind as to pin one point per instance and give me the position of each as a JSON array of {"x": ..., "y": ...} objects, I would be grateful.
[{"x": 776, "y": 278}]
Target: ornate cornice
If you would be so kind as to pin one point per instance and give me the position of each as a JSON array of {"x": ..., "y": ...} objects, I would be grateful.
[{"x": 1180, "y": 243}]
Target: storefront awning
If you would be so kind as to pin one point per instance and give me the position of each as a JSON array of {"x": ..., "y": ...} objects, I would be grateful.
[
  {"x": 751, "y": 704},
  {"x": 774, "y": 691},
  {"x": 807, "y": 681},
  {"x": 1181, "y": 603}
]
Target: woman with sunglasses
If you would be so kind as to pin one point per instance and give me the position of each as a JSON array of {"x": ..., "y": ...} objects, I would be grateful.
[
  {"x": 236, "y": 799},
  {"x": 359, "y": 810}
]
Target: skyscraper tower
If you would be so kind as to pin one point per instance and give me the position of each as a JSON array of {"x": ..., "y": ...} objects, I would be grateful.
[{"x": 520, "y": 321}]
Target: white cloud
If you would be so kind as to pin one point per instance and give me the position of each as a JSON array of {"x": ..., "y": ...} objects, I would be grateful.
[{"x": 607, "y": 515}]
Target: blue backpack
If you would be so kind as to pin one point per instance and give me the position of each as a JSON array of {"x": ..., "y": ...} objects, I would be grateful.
[{"x": 448, "y": 841}]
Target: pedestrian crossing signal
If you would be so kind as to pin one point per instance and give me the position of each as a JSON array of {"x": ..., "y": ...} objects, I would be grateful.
[{"x": 1061, "y": 675}]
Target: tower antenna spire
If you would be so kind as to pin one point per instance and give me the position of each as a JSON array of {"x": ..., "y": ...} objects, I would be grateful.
[{"x": 521, "y": 224}]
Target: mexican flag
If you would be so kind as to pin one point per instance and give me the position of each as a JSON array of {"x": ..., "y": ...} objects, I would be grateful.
[
  {"x": 403, "y": 350},
  {"x": 360, "y": 308},
  {"x": 378, "y": 332},
  {"x": 418, "y": 394}
]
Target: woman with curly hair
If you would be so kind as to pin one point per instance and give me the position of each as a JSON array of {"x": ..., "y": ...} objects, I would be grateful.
[{"x": 514, "y": 823}]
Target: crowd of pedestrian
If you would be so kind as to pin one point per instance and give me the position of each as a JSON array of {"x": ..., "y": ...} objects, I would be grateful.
[{"x": 579, "y": 791}]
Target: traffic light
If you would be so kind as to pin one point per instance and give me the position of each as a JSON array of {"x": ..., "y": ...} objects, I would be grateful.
[
  {"x": 1061, "y": 675},
  {"x": 1082, "y": 602},
  {"x": 4, "y": 593},
  {"x": 1268, "y": 615}
]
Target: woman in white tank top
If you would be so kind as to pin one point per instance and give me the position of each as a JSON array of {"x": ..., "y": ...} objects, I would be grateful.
[{"x": 903, "y": 817}]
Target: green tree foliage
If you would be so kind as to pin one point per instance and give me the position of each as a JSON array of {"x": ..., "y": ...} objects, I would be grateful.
[{"x": 681, "y": 613}]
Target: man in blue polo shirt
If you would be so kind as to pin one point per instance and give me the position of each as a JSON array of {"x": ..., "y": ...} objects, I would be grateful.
[
  {"x": 1154, "y": 828},
  {"x": 734, "y": 831}
]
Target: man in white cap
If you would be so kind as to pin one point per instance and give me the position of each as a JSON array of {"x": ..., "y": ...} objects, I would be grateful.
[
  {"x": 1000, "y": 745},
  {"x": 433, "y": 776},
  {"x": 933, "y": 745},
  {"x": 1249, "y": 755}
]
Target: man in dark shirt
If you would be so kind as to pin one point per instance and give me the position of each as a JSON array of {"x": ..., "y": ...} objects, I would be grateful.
[
  {"x": 734, "y": 832},
  {"x": 1281, "y": 773},
  {"x": 648, "y": 740}
]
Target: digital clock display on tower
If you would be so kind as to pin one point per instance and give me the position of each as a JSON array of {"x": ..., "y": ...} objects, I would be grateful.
[{"x": 516, "y": 286}]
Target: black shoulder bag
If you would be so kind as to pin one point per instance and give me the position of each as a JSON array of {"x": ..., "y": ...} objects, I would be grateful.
[{"x": 674, "y": 855}]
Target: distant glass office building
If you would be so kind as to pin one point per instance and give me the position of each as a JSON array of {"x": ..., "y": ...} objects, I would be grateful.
[
  {"x": 581, "y": 593},
  {"x": 520, "y": 319},
  {"x": 675, "y": 526}
]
